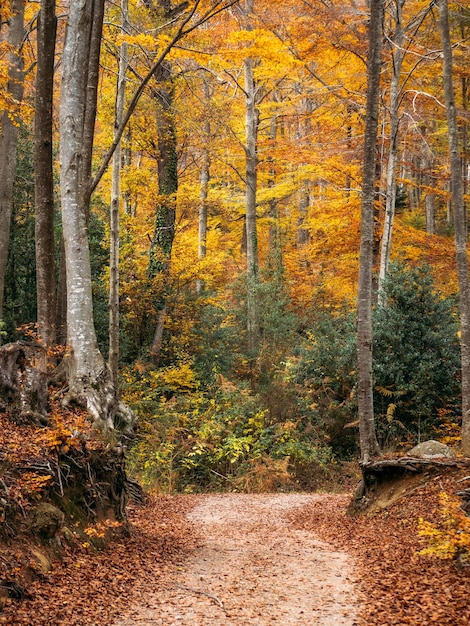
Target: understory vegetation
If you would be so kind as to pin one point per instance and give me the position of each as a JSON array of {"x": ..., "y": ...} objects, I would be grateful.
[
  {"x": 217, "y": 419},
  {"x": 215, "y": 416}
]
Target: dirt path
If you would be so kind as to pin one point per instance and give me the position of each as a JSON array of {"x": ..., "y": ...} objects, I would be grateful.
[{"x": 251, "y": 568}]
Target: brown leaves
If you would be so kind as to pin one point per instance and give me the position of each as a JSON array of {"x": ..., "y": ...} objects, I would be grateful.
[
  {"x": 400, "y": 586},
  {"x": 90, "y": 587}
]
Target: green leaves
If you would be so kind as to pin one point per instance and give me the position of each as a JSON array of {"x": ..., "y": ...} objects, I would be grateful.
[{"x": 416, "y": 350}]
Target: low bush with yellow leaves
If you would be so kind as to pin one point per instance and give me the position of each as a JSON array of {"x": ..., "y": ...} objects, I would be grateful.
[{"x": 450, "y": 537}]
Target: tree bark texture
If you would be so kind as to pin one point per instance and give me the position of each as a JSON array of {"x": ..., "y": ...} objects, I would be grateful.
[
  {"x": 23, "y": 381},
  {"x": 92, "y": 64},
  {"x": 391, "y": 182},
  {"x": 203, "y": 194},
  {"x": 368, "y": 439},
  {"x": 43, "y": 171},
  {"x": 459, "y": 222},
  {"x": 162, "y": 242},
  {"x": 115, "y": 205},
  {"x": 9, "y": 134},
  {"x": 251, "y": 173},
  {"x": 90, "y": 380}
]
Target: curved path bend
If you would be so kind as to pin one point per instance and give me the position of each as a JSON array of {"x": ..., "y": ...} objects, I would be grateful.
[{"x": 252, "y": 569}]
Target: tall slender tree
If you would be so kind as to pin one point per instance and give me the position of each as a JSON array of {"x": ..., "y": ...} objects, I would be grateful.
[
  {"x": 43, "y": 171},
  {"x": 115, "y": 203},
  {"x": 365, "y": 400},
  {"x": 9, "y": 127},
  {"x": 398, "y": 54},
  {"x": 251, "y": 174},
  {"x": 162, "y": 242},
  {"x": 89, "y": 378},
  {"x": 205, "y": 174},
  {"x": 459, "y": 221}
]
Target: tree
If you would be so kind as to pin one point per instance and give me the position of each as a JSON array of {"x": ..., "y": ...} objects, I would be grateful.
[
  {"x": 43, "y": 171},
  {"x": 251, "y": 167},
  {"x": 9, "y": 132},
  {"x": 460, "y": 227},
  {"x": 162, "y": 242},
  {"x": 365, "y": 398},
  {"x": 398, "y": 55},
  {"x": 115, "y": 204},
  {"x": 402, "y": 38},
  {"x": 89, "y": 378},
  {"x": 205, "y": 175}
]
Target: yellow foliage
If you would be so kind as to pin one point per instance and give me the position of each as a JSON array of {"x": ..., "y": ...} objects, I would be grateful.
[
  {"x": 450, "y": 538},
  {"x": 179, "y": 377},
  {"x": 32, "y": 484}
]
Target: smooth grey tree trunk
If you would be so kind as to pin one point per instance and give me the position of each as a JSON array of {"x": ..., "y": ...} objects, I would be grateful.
[
  {"x": 365, "y": 400},
  {"x": 43, "y": 172},
  {"x": 9, "y": 134},
  {"x": 203, "y": 195},
  {"x": 430, "y": 199},
  {"x": 459, "y": 222},
  {"x": 391, "y": 181},
  {"x": 89, "y": 378},
  {"x": 162, "y": 242},
  {"x": 113, "y": 358},
  {"x": 251, "y": 173}
]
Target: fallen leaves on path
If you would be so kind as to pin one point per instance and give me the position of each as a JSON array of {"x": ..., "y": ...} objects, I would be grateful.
[
  {"x": 252, "y": 569},
  {"x": 401, "y": 587},
  {"x": 90, "y": 588}
]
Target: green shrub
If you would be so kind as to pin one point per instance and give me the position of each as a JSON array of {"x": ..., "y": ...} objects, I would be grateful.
[
  {"x": 416, "y": 354},
  {"x": 194, "y": 440}
]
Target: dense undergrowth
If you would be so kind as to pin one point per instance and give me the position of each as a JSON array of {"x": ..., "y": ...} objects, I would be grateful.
[{"x": 220, "y": 419}]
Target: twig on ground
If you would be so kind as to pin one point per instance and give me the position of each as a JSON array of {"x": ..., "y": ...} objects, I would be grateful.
[{"x": 202, "y": 593}]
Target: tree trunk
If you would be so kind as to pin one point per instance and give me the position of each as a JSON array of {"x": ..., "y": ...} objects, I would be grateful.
[
  {"x": 115, "y": 205},
  {"x": 368, "y": 439},
  {"x": 251, "y": 173},
  {"x": 89, "y": 378},
  {"x": 92, "y": 67},
  {"x": 9, "y": 134},
  {"x": 23, "y": 381},
  {"x": 162, "y": 243},
  {"x": 61, "y": 300},
  {"x": 430, "y": 199},
  {"x": 390, "y": 191},
  {"x": 43, "y": 170},
  {"x": 459, "y": 222},
  {"x": 203, "y": 194}
]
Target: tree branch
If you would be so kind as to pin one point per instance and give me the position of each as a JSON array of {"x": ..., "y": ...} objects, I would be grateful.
[{"x": 180, "y": 33}]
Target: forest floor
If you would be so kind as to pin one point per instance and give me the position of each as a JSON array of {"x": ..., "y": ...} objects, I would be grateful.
[{"x": 256, "y": 559}]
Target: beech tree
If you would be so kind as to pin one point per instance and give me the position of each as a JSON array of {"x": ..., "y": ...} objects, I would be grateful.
[
  {"x": 43, "y": 171},
  {"x": 398, "y": 54},
  {"x": 460, "y": 226},
  {"x": 115, "y": 204},
  {"x": 89, "y": 378},
  {"x": 365, "y": 398},
  {"x": 9, "y": 122},
  {"x": 162, "y": 242},
  {"x": 205, "y": 175},
  {"x": 251, "y": 172}
]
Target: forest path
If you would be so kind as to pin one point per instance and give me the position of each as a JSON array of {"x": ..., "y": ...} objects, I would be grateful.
[{"x": 252, "y": 568}]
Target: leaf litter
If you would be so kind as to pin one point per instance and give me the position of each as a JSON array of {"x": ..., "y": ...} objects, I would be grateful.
[{"x": 255, "y": 559}]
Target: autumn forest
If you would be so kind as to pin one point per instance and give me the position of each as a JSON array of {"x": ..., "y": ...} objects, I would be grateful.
[
  {"x": 181, "y": 198},
  {"x": 233, "y": 261}
]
